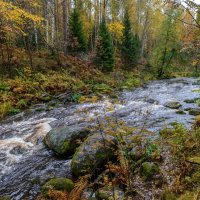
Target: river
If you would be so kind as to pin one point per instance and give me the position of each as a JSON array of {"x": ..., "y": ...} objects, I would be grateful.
[{"x": 25, "y": 163}]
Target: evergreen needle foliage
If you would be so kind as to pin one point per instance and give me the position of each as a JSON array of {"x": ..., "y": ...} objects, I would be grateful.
[
  {"x": 78, "y": 39},
  {"x": 130, "y": 45},
  {"x": 105, "y": 49}
]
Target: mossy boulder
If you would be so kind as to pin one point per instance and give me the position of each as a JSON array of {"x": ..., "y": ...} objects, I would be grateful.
[
  {"x": 148, "y": 169},
  {"x": 64, "y": 140},
  {"x": 180, "y": 112},
  {"x": 190, "y": 100},
  {"x": 60, "y": 184},
  {"x": 194, "y": 111},
  {"x": 93, "y": 154},
  {"x": 173, "y": 105},
  {"x": 106, "y": 193}
]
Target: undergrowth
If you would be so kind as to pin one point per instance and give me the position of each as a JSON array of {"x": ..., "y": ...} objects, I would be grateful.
[{"x": 80, "y": 80}]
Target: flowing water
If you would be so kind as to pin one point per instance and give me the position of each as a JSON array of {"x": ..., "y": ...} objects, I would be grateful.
[{"x": 25, "y": 163}]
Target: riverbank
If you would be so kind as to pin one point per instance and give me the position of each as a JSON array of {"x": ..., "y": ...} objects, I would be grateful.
[{"x": 78, "y": 82}]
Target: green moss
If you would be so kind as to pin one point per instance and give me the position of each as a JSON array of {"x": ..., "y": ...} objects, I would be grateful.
[
  {"x": 61, "y": 184},
  {"x": 106, "y": 193},
  {"x": 148, "y": 169},
  {"x": 63, "y": 148},
  {"x": 5, "y": 198},
  {"x": 5, "y": 108},
  {"x": 3, "y": 87},
  {"x": 190, "y": 101},
  {"x": 180, "y": 112},
  {"x": 22, "y": 103},
  {"x": 195, "y": 160},
  {"x": 189, "y": 195},
  {"x": 196, "y": 90},
  {"x": 168, "y": 195},
  {"x": 166, "y": 132},
  {"x": 14, "y": 111}
]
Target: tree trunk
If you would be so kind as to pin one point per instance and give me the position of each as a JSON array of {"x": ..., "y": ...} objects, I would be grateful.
[
  {"x": 36, "y": 36},
  {"x": 47, "y": 20},
  {"x": 53, "y": 21},
  {"x": 144, "y": 34},
  {"x": 65, "y": 25}
]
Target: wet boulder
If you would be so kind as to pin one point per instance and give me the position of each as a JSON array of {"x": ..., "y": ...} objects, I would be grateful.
[
  {"x": 191, "y": 100},
  {"x": 93, "y": 154},
  {"x": 173, "y": 105},
  {"x": 152, "y": 101},
  {"x": 194, "y": 111},
  {"x": 60, "y": 184},
  {"x": 64, "y": 140}
]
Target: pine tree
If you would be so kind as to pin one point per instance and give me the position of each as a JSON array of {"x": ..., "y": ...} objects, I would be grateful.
[
  {"x": 77, "y": 37},
  {"x": 130, "y": 45},
  {"x": 105, "y": 49}
]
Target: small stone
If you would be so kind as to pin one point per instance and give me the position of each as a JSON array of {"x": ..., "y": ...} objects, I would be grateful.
[{"x": 152, "y": 101}]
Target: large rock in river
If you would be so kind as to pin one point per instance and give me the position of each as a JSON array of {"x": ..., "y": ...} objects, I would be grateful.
[
  {"x": 93, "y": 154},
  {"x": 194, "y": 111},
  {"x": 173, "y": 105},
  {"x": 64, "y": 140}
]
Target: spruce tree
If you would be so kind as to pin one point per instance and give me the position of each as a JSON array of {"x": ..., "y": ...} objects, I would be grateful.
[
  {"x": 77, "y": 37},
  {"x": 130, "y": 45},
  {"x": 105, "y": 49}
]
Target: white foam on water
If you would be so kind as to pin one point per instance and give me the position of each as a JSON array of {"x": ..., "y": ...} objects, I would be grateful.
[{"x": 24, "y": 141}]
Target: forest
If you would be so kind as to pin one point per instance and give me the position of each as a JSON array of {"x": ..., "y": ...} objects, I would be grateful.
[{"x": 99, "y": 99}]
